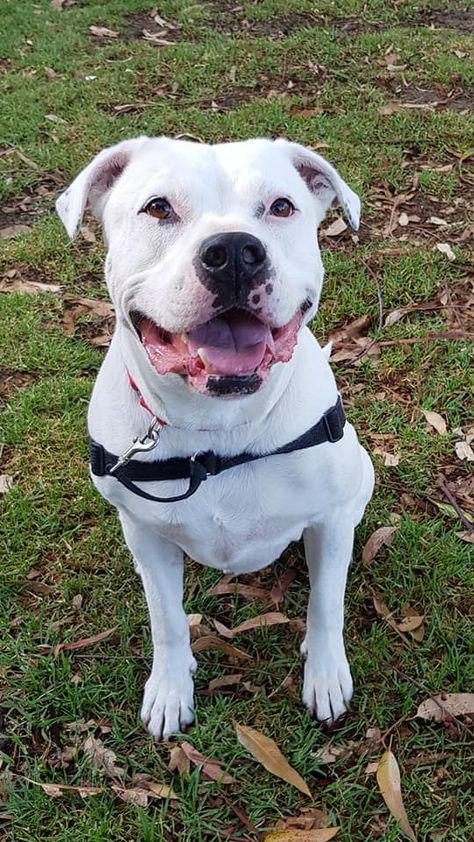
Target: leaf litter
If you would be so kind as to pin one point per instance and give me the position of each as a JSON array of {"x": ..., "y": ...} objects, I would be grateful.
[
  {"x": 266, "y": 751},
  {"x": 388, "y": 779}
]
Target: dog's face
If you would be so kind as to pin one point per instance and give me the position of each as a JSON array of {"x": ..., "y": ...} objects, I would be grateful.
[{"x": 213, "y": 257}]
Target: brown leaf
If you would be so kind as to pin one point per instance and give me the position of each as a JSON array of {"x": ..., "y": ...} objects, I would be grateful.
[
  {"x": 464, "y": 451},
  {"x": 466, "y": 536},
  {"x": 161, "y": 791},
  {"x": 323, "y": 834},
  {"x": 210, "y": 641},
  {"x": 446, "y": 249},
  {"x": 351, "y": 331},
  {"x": 390, "y": 108},
  {"x": 436, "y": 421},
  {"x": 247, "y": 591},
  {"x": 13, "y": 231},
  {"x": 411, "y": 623},
  {"x": 266, "y": 751},
  {"x": 103, "y": 32},
  {"x": 329, "y": 753},
  {"x": 225, "y": 681},
  {"x": 56, "y": 790},
  {"x": 388, "y": 779},
  {"x": 74, "y": 307},
  {"x": 310, "y": 818},
  {"x": 211, "y": 769},
  {"x": 139, "y": 797},
  {"x": 442, "y": 706},
  {"x": 28, "y": 287},
  {"x": 178, "y": 761},
  {"x": 381, "y": 537},
  {"x": 272, "y": 618},
  {"x": 336, "y": 228},
  {"x": 155, "y": 38},
  {"x": 279, "y": 590},
  {"x": 83, "y": 643},
  {"x": 102, "y": 758}
]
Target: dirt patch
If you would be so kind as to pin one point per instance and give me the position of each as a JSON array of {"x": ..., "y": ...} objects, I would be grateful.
[
  {"x": 456, "y": 98},
  {"x": 10, "y": 379},
  {"x": 20, "y": 210},
  {"x": 460, "y": 19},
  {"x": 138, "y": 22}
]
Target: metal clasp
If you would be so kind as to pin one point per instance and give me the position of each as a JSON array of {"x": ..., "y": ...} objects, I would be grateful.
[{"x": 141, "y": 445}]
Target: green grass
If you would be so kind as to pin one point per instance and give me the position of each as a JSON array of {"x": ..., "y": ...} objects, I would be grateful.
[{"x": 54, "y": 523}]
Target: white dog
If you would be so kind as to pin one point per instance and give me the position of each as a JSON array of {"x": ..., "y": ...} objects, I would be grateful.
[{"x": 214, "y": 270}]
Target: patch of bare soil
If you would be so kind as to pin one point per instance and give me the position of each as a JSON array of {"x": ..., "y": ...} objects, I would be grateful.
[
  {"x": 460, "y": 19},
  {"x": 10, "y": 379},
  {"x": 456, "y": 98},
  {"x": 20, "y": 210}
]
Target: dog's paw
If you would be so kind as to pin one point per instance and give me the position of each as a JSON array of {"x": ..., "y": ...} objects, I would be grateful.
[
  {"x": 327, "y": 685},
  {"x": 168, "y": 703}
]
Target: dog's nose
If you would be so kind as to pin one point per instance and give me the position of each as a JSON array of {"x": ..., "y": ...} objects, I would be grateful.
[{"x": 232, "y": 256}]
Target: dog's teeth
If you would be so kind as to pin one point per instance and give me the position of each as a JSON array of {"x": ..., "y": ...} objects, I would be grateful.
[
  {"x": 202, "y": 355},
  {"x": 184, "y": 338}
]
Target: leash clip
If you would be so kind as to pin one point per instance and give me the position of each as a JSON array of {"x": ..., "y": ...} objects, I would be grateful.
[{"x": 145, "y": 444}]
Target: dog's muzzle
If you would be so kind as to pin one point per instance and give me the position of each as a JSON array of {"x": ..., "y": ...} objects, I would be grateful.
[{"x": 230, "y": 265}]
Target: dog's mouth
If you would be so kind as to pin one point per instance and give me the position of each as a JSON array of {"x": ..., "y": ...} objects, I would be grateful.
[{"x": 229, "y": 354}]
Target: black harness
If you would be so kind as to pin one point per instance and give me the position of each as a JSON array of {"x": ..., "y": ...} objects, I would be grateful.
[{"x": 197, "y": 468}]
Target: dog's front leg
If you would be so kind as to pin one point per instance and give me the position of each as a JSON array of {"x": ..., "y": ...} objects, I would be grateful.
[
  {"x": 168, "y": 700},
  {"x": 327, "y": 686}
]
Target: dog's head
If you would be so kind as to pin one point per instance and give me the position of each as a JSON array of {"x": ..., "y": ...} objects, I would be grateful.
[{"x": 213, "y": 257}]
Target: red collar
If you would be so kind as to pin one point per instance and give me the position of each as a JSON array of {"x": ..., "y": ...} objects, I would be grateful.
[{"x": 142, "y": 401}]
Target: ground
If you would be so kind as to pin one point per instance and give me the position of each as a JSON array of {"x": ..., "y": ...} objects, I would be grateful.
[{"x": 384, "y": 90}]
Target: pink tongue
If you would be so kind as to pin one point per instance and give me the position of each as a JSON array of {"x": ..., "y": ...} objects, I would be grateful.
[{"x": 232, "y": 344}]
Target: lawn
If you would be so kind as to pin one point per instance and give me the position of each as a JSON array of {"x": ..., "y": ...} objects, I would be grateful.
[{"x": 384, "y": 91}]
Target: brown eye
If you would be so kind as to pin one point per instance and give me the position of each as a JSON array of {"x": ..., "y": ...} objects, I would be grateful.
[
  {"x": 282, "y": 207},
  {"x": 159, "y": 208}
]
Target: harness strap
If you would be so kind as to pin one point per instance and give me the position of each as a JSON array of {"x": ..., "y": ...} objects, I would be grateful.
[{"x": 330, "y": 428}]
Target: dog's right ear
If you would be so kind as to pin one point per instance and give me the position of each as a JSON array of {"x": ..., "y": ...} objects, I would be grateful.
[{"x": 93, "y": 184}]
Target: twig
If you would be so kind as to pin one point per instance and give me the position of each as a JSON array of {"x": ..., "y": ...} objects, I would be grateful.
[
  {"x": 445, "y": 490},
  {"x": 371, "y": 344},
  {"x": 411, "y": 340}
]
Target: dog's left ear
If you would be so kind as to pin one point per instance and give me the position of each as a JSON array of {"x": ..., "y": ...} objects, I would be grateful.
[{"x": 323, "y": 180}]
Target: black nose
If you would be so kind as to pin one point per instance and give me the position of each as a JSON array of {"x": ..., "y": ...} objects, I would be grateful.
[{"x": 232, "y": 257}]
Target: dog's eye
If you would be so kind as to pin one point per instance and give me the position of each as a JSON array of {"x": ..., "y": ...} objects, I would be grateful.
[
  {"x": 282, "y": 207},
  {"x": 159, "y": 208}
]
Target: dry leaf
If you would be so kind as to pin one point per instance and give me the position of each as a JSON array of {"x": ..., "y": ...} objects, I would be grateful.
[
  {"x": 178, "y": 760},
  {"x": 442, "y": 706},
  {"x": 139, "y": 797},
  {"x": 381, "y": 537},
  {"x": 388, "y": 779},
  {"x": 272, "y": 618},
  {"x": 161, "y": 791},
  {"x": 403, "y": 220},
  {"x": 210, "y": 768},
  {"x": 103, "y": 32},
  {"x": 322, "y": 834},
  {"x": 102, "y": 758},
  {"x": 329, "y": 754},
  {"x": 436, "y": 421},
  {"x": 225, "y": 681},
  {"x": 269, "y": 755},
  {"x": 410, "y": 623},
  {"x": 28, "y": 287},
  {"x": 74, "y": 307},
  {"x": 247, "y": 591},
  {"x": 210, "y": 641},
  {"x": 13, "y": 231},
  {"x": 83, "y": 643},
  {"x": 337, "y": 227},
  {"x": 155, "y": 38},
  {"x": 6, "y": 482},
  {"x": 466, "y": 536},
  {"x": 390, "y": 108},
  {"x": 56, "y": 790},
  {"x": 464, "y": 451},
  {"x": 446, "y": 249},
  {"x": 391, "y": 460}
]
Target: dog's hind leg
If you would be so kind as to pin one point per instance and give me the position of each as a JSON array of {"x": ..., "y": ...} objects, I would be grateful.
[
  {"x": 327, "y": 686},
  {"x": 168, "y": 700}
]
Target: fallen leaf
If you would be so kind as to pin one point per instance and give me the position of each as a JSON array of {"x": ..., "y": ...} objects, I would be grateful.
[
  {"x": 210, "y": 641},
  {"x": 211, "y": 769},
  {"x": 178, "y": 761},
  {"x": 411, "y": 623},
  {"x": 466, "y": 536},
  {"x": 391, "y": 460},
  {"x": 337, "y": 227},
  {"x": 28, "y": 287},
  {"x": 390, "y": 108},
  {"x": 381, "y": 537},
  {"x": 102, "y": 758},
  {"x": 351, "y": 331},
  {"x": 435, "y": 220},
  {"x": 436, "y": 421},
  {"x": 403, "y": 220},
  {"x": 162, "y": 791},
  {"x": 98, "y": 308},
  {"x": 328, "y": 753},
  {"x": 13, "y": 231},
  {"x": 225, "y": 681},
  {"x": 388, "y": 779},
  {"x": 62, "y": 4},
  {"x": 272, "y": 618},
  {"x": 6, "y": 482},
  {"x": 310, "y": 818},
  {"x": 83, "y": 643},
  {"x": 464, "y": 451},
  {"x": 103, "y": 32},
  {"x": 371, "y": 768},
  {"x": 284, "y": 581},
  {"x": 247, "y": 591},
  {"x": 139, "y": 797},
  {"x": 155, "y": 38},
  {"x": 446, "y": 249},
  {"x": 322, "y": 834},
  {"x": 53, "y": 118},
  {"x": 266, "y": 751},
  {"x": 56, "y": 790},
  {"x": 443, "y": 705}
]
